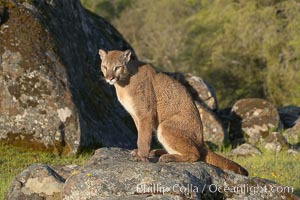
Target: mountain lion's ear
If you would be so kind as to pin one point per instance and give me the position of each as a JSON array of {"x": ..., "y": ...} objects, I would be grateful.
[
  {"x": 102, "y": 54},
  {"x": 127, "y": 55}
]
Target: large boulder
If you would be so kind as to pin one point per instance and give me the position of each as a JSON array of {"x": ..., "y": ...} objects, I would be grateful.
[
  {"x": 253, "y": 119},
  {"x": 293, "y": 134},
  {"x": 213, "y": 130},
  {"x": 275, "y": 141},
  {"x": 245, "y": 150},
  {"x": 201, "y": 91},
  {"x": 51, "y": 97},
  {"x": 113, "y": 174},
  {"x": 40, "y": 181}
]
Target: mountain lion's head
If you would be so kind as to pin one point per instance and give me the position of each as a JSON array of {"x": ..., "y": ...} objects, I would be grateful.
[{"x": 113, "y": 65}]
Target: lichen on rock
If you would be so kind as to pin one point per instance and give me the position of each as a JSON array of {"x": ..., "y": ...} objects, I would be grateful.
[
  {"x": 52, "y": 98},
  {"x": 112, "y": 173},
  {"x": 253, "y": 119}
]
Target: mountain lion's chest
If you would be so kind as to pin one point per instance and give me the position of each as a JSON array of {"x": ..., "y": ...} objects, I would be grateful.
[{"x": 127, "y": 102}]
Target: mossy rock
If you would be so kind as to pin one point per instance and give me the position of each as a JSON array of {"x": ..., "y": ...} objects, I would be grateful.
[{"x": 52, "y": 98}]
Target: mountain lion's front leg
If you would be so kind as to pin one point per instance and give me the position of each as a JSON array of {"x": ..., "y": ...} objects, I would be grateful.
[{"x": 144, "y": 127}]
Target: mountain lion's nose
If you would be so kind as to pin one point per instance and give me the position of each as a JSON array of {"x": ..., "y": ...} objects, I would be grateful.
[{"x": 110, "y": 78}]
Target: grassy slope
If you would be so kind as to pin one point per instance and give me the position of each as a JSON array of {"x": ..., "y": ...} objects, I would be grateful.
[
  {"x": 282, "y": 168},
  {"x": 13, "y": 160}
]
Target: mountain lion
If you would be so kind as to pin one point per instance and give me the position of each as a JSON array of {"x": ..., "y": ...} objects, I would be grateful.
[{"x": 158, "y": 103}]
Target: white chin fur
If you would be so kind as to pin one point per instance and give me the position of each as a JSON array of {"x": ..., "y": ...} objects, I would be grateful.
[{"x": 111, "y": 82}]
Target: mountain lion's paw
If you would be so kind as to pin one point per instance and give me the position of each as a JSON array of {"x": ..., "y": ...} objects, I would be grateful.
[
  {"x": 166, "y": 158},
  {"x": 137, "y": 157},
  {"x": 134, "y": 152},
  {"x": 140, "y": 158}
]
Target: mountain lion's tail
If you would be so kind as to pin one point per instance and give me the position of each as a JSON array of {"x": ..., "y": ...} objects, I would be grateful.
[{"x": 221, "y": 162}]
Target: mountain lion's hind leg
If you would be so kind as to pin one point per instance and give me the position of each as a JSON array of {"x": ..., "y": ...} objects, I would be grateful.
[{"x": 180, "y": 147}]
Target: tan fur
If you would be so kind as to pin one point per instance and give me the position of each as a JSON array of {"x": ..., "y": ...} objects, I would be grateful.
[{"x": 156, "y": 102}]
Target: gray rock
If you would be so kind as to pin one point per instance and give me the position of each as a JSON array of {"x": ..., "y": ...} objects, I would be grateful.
[
  {"x": 51, "y": 97},
  {"x": 213, "y": 130},
  {"x": 293, "y": 134},
  {"x": 200, "y": 90},
  {"x": 255, "y": 118},
  {"x": 245, "y": 150},
  {"x": 275, "y": 142},
  {"x": 65, "y": 171},
  {"x": 293, "y": 151},
  {"x": 112, "y": 174},
  {"x": 38, "y": 181}
]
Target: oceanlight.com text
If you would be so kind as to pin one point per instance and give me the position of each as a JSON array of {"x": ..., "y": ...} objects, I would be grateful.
[{"x": 212, "y": 188}]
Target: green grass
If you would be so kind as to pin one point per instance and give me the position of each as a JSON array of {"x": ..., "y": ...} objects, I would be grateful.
[
  {"x": 282, "y": 168},
  {"x": 14, "y": 160}
]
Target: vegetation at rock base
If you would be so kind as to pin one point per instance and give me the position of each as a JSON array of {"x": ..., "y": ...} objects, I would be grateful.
[
  {"x": 282, "y": 168},
  {"x": 243, "y": 48},
  {"x": 13, "y": 160}
]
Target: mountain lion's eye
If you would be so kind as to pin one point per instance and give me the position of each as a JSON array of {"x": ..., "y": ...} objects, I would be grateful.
[
  {"x": 117, "y": 68},
  {"x": 104, "y": 67}
]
